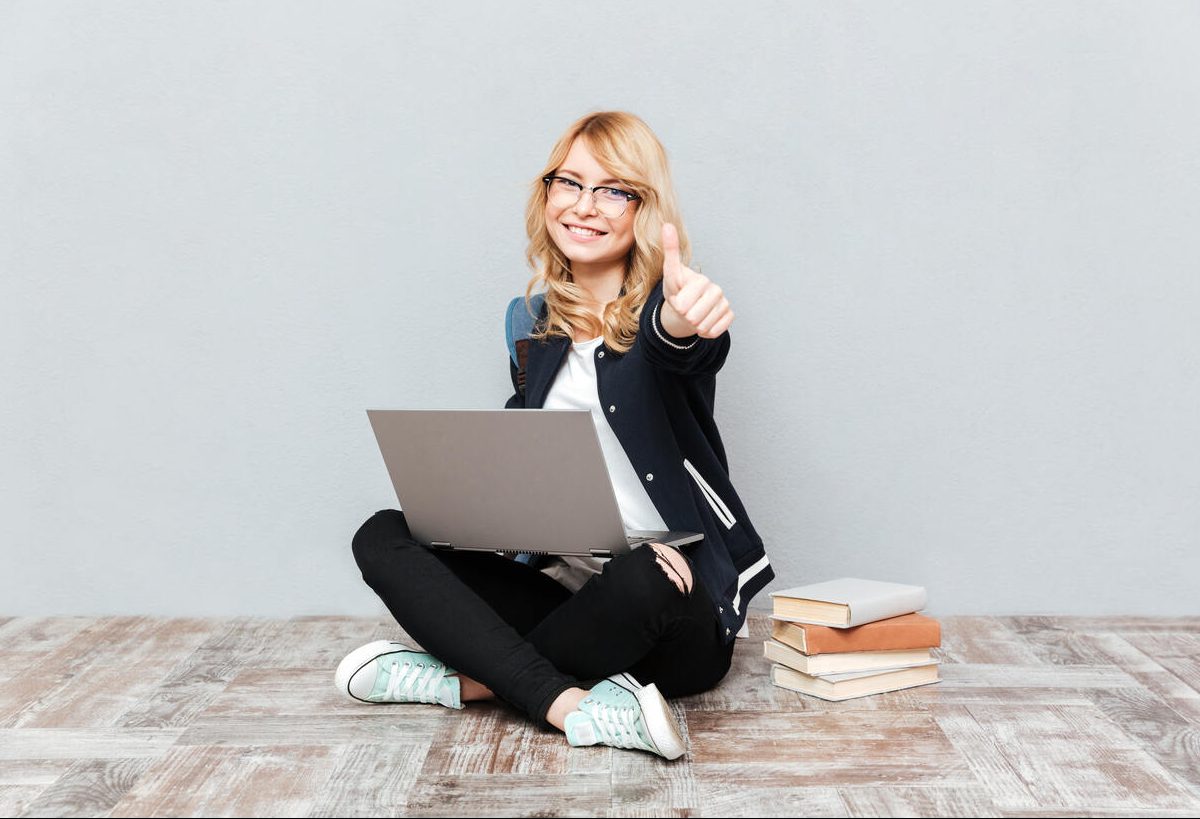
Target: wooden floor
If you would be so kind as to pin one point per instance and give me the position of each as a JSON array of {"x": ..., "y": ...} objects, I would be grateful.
[{"x": 1034, "y": 716}]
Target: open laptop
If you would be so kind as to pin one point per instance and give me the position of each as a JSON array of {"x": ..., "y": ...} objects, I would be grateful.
[{"x": 507, "y": 480}]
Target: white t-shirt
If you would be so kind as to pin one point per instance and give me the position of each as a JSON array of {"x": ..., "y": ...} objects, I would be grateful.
[{"x": 575, "y": 387}]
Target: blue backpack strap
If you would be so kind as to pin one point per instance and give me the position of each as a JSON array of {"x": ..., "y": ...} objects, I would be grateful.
[{"x": 518, "y": 324}]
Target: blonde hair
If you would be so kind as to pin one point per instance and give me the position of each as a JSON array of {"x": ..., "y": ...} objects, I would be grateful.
[{"x": 628, "y": 150}]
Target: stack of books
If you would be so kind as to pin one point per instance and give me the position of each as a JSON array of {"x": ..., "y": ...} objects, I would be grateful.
[{"x": 851, "y": 637}]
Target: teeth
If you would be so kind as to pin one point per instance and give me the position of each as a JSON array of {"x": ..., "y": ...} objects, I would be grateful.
[{"x": 582, "y": 231}]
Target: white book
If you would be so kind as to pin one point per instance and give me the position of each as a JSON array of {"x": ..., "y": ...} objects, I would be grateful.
[
  {"x": 856, "y": 684},
  {"x": 874, "y": 672},
  {"x": 844, "y": 662},
  {"x": 847, "y": 602}
]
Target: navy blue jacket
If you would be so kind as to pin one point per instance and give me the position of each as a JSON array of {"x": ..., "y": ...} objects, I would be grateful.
[{"x": 659, "y": 396}]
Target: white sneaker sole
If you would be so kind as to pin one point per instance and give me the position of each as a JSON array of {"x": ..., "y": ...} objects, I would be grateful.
[
  {"x": 358, "y": 659},
  {"x": 660, "y": 722}
]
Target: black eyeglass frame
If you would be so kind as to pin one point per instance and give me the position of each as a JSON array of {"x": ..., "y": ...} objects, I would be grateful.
[{"x": 629, "y": 197}]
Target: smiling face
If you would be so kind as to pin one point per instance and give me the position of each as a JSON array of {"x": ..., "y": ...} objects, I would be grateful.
[{"x": 590, "y": 252}]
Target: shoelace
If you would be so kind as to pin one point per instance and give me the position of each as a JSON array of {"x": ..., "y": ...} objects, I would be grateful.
[
  {"x": 413, "y": 680},
  {"x": 618, "y": 725}
]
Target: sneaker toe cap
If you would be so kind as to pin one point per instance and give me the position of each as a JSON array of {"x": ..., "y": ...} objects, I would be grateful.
[{"x": 355, "y": 675}]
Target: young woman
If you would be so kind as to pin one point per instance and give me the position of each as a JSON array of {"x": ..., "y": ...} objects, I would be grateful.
[{"x": 630, "y": 332}]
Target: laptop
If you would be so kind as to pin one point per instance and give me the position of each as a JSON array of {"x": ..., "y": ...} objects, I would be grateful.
[{"x": 507, "y": 480}]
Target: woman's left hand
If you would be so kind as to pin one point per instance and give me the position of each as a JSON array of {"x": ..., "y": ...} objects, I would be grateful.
[{"x": 693, "y": 304}]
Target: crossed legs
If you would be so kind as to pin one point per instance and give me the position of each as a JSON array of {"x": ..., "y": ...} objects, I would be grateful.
[{"x": 514, "y": 633}]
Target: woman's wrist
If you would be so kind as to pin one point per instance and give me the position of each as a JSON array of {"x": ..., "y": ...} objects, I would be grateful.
[{"x": 674, "y": 324}]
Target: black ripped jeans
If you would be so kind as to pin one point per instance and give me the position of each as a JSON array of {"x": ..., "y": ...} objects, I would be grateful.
[{"x": 526, "y": 636}]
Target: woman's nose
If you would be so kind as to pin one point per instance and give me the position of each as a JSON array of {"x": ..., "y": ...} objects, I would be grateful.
[{"x": 586, "y": 203}]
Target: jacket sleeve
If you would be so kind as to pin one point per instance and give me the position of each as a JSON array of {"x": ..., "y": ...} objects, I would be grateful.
[
  {"x": 517, "y": 401},
  {"x": 684, "y": 356}
]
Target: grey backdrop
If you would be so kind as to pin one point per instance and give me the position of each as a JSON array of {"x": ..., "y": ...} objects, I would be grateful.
[{"x": 960, "y": 240}]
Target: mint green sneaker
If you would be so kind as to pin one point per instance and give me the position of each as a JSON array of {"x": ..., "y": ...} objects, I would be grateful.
[
  {"x": 387, "y": 671},
  {"x": 623, "y": 713}
]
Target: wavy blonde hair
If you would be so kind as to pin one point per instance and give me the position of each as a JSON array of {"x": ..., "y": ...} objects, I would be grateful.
[{"x": 628, "y": 150}]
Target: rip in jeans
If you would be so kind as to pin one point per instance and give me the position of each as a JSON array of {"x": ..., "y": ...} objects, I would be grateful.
[{"x": 666, "y": 564}]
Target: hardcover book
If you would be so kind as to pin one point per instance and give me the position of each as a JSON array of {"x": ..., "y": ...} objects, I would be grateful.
[
  {"x": 847, "y": 601},
  {"x": 845, "y": 662},
  {"x": 906, "y": 631},
  {"x": 854, "y": 684}
]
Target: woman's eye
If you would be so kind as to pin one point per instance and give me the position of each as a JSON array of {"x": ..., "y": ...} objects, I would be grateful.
[
  {"x": 568, "y": 183},
  {"x": 613, "y": 194}
]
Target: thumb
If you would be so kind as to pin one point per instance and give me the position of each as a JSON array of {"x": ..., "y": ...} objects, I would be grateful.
[{"x": 672, "y": 266}]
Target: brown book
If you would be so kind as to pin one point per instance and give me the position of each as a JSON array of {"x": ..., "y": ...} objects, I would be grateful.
[{"x": 906, "y": 631}]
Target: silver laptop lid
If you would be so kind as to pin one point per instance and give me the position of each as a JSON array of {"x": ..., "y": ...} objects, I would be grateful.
[{"x": 503, "y": 479}]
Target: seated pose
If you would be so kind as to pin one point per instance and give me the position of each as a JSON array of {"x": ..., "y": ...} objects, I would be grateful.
[{"x": 625, "y": 329}]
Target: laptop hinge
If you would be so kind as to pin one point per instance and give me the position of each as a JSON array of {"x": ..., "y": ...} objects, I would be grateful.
[
  {"x": 602, "y": 553},
  {"x": 440, "y": 544}
]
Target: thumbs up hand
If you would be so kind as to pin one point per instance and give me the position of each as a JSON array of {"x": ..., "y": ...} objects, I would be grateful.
[{"x": 692, "y": 303}]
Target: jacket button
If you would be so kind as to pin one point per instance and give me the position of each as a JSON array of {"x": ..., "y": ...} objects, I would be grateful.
[
  {"x": 612, "y": 408},
  {"x": 720, "y": 609},
  {"x": 726, "y": 631},
  {"x": 600, "y": 354},
  {"x": 649, "y": 476}
]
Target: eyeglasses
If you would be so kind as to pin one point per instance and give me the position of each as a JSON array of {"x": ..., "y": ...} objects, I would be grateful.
[{"x": 564, "y": 193}]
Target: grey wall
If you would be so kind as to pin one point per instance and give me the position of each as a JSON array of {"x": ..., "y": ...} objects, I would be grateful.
[{"x": 960, "y": 240}]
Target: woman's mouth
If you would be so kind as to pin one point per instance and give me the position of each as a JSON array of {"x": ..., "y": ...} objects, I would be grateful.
[{"x": 583, "y": 234}]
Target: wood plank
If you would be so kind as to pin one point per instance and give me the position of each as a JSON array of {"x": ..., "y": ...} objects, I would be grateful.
[
  {"x": 185, "y": 692},
  {"x": 1073, "y": 757},
  {"x": 1056, "y": 642},
  {"x": 998, "y": 777},
  {"x": 277, "y": 692},
  {"x": 41, "y": 635},
  {"x": 16, "y": 799},
  {"x": 1163, "y": 712},
  {"x": 89, "y": 788},
  {"x": 647, "y": 782},
  {"x": 1126, "y": 624},
  {"x": 917, "y": 801},
  {"x": 722, "y": 793},
  {"x": 511, "y": 795},
  {"x": 322, "y": 642},
  {"x": 264, "y": 780},
  {"x": 1023, "y": 678},
  {"x": 371, "y": 780},
  {"x": 1162, "y": 732},
  {"x": 638, "y": 810},
  {"x": 27, "y": 643},
  {"x": 91, "y": 679},
  {"x": 1178, "y": 653},
  {"x": 495, "y": 738},
  {"x": 1094, "y": 810},
  {"x": 93, "y": 697},
  {"x": 14, "y": 665},
  {"x": 32, "y": 771},
  {"x": 245, "y": 644},
  {"x": 288, "y": 706},
  {"x": 979, "y": 640},
  {"x": 812, "y": 749},
  {"x": 1122, "y": 651},
  {"x": 85, "y": 743},
  {"x": 402, "y": 723}
]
